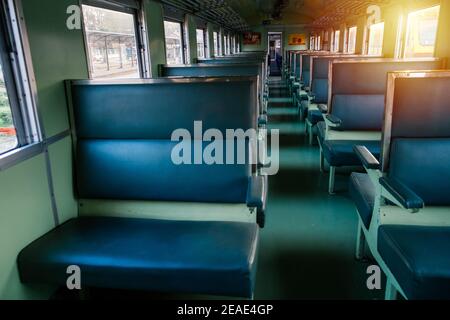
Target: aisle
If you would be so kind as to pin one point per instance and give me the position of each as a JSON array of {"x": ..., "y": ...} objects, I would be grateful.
[{"x": 307, "y": 247}]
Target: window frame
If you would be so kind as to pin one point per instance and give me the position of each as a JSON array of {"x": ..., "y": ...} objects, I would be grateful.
[
  {"x": 219, "y": 44},
  {"x": 183, "y": 40},
  {"x": 405, "y": 31},
  {"x": 138, "y": 17},
  {"x": 318, "y": 43},
  {"x": 215, "y": 43},
  {"x": 336, "y": 44},
  {"x": 368, "y": 30},
  {"x": 20, "y": 85},
  {"x": 204, "y": 35},
  {"x": 312, "y": 43},
  {"x": 354, "y": 27}
]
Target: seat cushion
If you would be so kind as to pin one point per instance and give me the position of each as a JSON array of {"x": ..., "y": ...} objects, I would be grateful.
[
  {"x": 419, "y": 259},
  {"x": 340, "y": 152},
  {"x": 156, "y": 255},
  {"x": 315, "y": 116},
  {"x": 362, "y": 191}
]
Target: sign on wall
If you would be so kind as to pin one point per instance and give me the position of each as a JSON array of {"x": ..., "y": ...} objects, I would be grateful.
[
  {"x": 296, "y": 39},
  {"x": 252, "y": 38}
]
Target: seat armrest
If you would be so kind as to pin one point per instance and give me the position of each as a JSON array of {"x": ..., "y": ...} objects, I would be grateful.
[
  {"x": 333, "y": 121},
  {"x": 303, "y": 97},
  {"x": 407, "y": 198},
  {"x": 367, "y": 158},
  {"x": 322, "y": 107},
  {"x": 257, "y": 196}
]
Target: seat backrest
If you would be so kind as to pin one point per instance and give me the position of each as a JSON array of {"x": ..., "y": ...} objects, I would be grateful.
[
  {"x": 319, "y": 88},
  {"x": 319, "y": 66},
  {"x": 297, "y": 66},
  {"x": 210, "y": 70},
  {"x": 358, "y": 88},
  {"x": 306, "y": 70},
  {"x": 359, "y": 111},
  {"x": 416, "y": 135},
  {"x": 292, "y": 61},
  {"x": 123, "y": 138}
]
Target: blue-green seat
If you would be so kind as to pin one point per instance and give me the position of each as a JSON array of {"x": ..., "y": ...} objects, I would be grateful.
[
  {"x": 412, "y": 231},
  {"x": 340, "y": 153},
  {"x": 124, "y": 152},
  {"x": 362, "y": 192},
  {"x": 144, "y": 254},
  {"x": 315, "y": 116},
  {"x": 419, "y": 257}
]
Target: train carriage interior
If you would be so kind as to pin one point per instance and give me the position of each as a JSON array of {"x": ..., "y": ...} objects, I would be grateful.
[{"x": 224, "y": 149}]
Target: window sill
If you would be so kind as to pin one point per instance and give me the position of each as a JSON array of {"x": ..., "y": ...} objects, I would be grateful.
[{"x": 18, "y": 155}]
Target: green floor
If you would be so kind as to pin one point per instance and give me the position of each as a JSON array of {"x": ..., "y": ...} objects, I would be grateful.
[{"x": 307, "y": 248}]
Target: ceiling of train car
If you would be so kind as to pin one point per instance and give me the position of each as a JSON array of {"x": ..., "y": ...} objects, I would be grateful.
[
  {"x": 314, "y": 13},
  {"x": 286, "y": 12},
  {"x": 243, "y": 14}
]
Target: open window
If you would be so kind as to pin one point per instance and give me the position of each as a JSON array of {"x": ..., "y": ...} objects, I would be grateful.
[
  {"x": 174, "y": 42},
  {"x": 318, "y": 43},
  {"x": 421, "y": 30},
  {"x": 376, "y": 35},
  {"x": 201, "y": 47},
  {"x": 219, "y": 44},
  {"x": 216, "y": 43},
  {"x": 233, "y": 44},
  {"x": 351, "y": 42},
  {"x": 337, "y": 35},
  {"x": 112, "y": 40},
  {"x": 226, "y": 41},
  {"x": 312, "y": 43},
  {"x": 19, "y": 124}
]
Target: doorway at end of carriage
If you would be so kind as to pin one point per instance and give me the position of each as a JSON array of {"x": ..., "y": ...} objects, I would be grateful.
[{"x": 275, "y": 49}]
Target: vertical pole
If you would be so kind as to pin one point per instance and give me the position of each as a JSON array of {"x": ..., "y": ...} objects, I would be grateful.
[
  {"x": 106, "y": 53},
  {"x": 120, "y": 54},
  {"x": 331, "y": 182}
]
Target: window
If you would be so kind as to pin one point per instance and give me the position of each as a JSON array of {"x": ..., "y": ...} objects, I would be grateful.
[
  {"x": 351, "y": 46},
  {"x": 226, "y": 41},
  {"x": 332, "y": 41},
  {"x": 216, "y": 44},
  {"x": 421, "y": 32},
  {"x": 8, "y": 135},
  {"x": 225, "y": 51},
  {"x": 174, "y": 42},
  {"x": 376, "y": 33},
  {"x": 233, "y": 44},
  {"x": 312, "y": 43},
  {"x": 318, "y": 43},
  {"x": 337, "y": 35},
  {"x": 18, "y": 117},
  {"x": 201, "y": 49},
  {"x": 111, "y": 43},
  {"x": 219, "y": 44}
]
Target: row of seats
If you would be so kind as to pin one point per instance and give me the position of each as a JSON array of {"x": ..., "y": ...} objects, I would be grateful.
[
  {"x": 343, "y": 108},
  {"x": 123, "y": 154},
  {"x": 402, "y": 201},
  {"x": 369, "y": 113}
]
